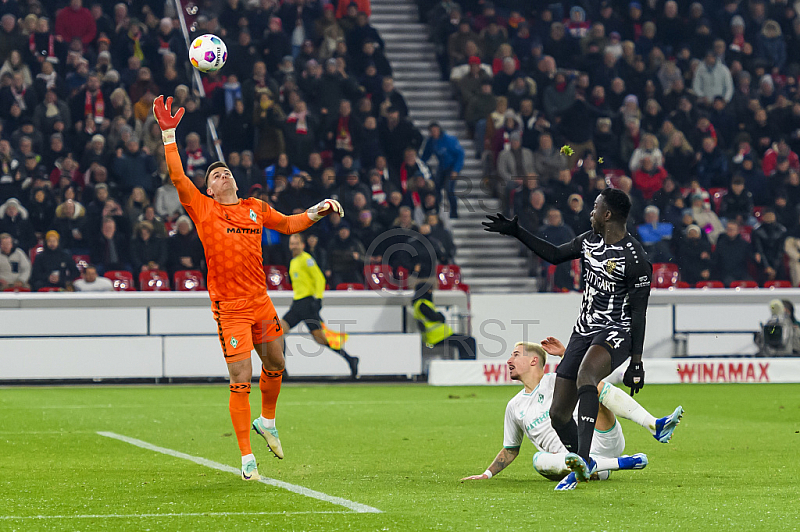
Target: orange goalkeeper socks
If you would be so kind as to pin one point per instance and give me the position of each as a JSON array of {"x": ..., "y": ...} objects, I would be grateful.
[
  {"x": 270, "y": 386},
  {"x": 239, "y": 406}
]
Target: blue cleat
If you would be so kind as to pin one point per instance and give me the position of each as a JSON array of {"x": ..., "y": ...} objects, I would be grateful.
[
  {"x": 582, "y": 470},
  {"x": 665, "y": 426},
  {"x": 567, "y": 483},
  {"x": 637, "y": 461}
]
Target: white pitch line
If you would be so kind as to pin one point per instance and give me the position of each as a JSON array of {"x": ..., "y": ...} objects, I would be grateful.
[
  {"x": 184, "y": 514},
  {"x": 294, "y": 488}
]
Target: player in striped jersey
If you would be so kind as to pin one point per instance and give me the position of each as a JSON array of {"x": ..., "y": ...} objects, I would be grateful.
[{"x": 611, "y": 324}]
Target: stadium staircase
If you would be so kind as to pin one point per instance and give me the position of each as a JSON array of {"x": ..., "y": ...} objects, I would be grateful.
[{"x": 489, "y": 262}]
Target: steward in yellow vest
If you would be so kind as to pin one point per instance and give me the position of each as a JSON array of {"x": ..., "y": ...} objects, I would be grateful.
[{"x": 435, "y": 330}]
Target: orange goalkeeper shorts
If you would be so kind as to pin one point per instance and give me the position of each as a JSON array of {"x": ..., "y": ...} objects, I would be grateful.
[{"x": 241, "y": 323}]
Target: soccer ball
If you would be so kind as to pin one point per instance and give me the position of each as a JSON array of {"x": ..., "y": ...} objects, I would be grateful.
[{"x": 208, "y": 53}]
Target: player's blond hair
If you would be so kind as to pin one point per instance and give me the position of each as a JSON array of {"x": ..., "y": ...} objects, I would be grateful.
[{"x": 534, "y": 348}]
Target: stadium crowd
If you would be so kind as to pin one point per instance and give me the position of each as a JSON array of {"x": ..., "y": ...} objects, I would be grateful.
[
  {"x": 690, "y": 107},
  {"x": 305, "y": 107}
]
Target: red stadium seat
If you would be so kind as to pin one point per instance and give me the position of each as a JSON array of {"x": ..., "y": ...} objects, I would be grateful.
[
  {"x": 189, "y": 281},
  {"x": 81, "y": 262},
  {"x": 277, "y": 277},
  {"x": 682, "y": 285},
  {"x": 449, "y": 276},
  {"x": 665, "y": 275},
  {"x": 123, "y": 280},
  {"x": 350, "y": 286},
  {"x": 716, "y": 197},
  {"x": 747, "y": 231},
  {"x": 50, "y": 289},
  {"x": 743, "y": 284},
  {"x": 402, "y": 277},
  {"x": 154, "y": 281},
  {"x": 380, "y": 277},
  {"x": 12, "y": 289},
  {"x": 777, "y": 284},
  {"x": 35, "y": 250},
  {"x": 709, "y": 284}
]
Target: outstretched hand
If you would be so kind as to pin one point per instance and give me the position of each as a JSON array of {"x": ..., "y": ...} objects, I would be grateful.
[
  {"x": 501, "y": 224},
  {"x": 162, "y": 111},
  {"x": 482, "y": 476},
  {"x": 634, "y": 377},
  {"x": 553, "y": 346},
  {"x": 324, "y": 208}
]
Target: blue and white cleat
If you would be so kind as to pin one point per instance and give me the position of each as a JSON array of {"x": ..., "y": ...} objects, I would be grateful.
[
  {"x": 665, "y": 426},
  {"x": 567, "y": 483},
  {"x": 637, "y": 461},
  {"x": 582, "y": 470}
]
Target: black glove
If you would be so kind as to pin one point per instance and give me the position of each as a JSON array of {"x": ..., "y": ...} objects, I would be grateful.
[
  {"x": 634, "y": 377},
  {"x": 501, "y": 224}
]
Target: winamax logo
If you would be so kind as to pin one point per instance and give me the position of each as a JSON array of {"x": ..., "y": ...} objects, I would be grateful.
[{"x": 724, "y": 372}]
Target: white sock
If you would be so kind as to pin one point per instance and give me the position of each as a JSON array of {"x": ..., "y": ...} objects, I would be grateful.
[
  {"x": 270, "y": 423},
  {"x": 606, "y": 464},
  {"x": 550, "y": 463},
  {"x": 624, "y": 406},
  {"x": 248, "y": 457}
]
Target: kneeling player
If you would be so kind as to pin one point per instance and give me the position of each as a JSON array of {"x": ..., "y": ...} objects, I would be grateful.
[
  {"x": 528, "y": 414},
  {"x": 308, "y": 285}
]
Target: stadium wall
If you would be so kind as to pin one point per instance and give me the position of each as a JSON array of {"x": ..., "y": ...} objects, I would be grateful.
[
  {"x": 679, "y": 322},
  {"x": 173, "y": 335},
  {"x": 658, "y": 371}
]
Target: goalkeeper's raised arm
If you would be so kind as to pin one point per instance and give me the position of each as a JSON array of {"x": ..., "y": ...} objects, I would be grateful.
[{"x": 219, "y": 181}]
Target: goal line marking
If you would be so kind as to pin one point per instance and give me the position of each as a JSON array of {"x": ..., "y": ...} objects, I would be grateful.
[{"x": 294, "y": 488}]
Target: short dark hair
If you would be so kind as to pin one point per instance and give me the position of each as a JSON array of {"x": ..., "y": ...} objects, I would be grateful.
[
  {"x": 617, "y": 202},
  {"x": 214, "y": 166}
]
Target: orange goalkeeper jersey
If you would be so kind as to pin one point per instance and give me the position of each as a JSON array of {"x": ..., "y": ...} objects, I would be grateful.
[{"x": 231, "y": 235}]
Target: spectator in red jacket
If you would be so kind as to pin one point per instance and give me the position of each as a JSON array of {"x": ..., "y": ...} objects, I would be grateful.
[
  {"x": 649, "y": 178},
  {"x": 780, "y": 148},
  {"x": 76, "y": 21},
  {"x": 362, "y": 5}
]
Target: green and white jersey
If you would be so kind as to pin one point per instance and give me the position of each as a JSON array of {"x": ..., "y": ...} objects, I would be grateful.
[{"x": 529, "y": 414}]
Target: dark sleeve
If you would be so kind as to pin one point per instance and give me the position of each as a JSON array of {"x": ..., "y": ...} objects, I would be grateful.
[
  {"x": 162, "y": 253},
  {"x": 72, "y": 269},
  {"x": 758, "y": 247},
  {"x": 638, "y": 293},
  {"x": 549, "y": 252},
  {"x": 431, "y": 314}
]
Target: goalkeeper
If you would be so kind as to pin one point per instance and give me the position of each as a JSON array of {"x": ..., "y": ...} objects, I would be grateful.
[{"x": 230, "y": 230}]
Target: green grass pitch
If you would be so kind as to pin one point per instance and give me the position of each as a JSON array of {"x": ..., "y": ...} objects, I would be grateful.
[{"x": 398, "y": 448}]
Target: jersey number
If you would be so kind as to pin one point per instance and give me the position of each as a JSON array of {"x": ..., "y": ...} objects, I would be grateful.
[{"x": 612, "y": 338}]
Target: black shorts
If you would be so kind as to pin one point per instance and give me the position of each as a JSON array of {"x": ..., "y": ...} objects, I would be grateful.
[
  {"x": 305, "y": 310},
  {"x": 616, "y": 341}
]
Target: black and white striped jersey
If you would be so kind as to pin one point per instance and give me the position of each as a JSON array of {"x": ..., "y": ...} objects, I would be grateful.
[
  {"x": 613, "y": 276},
  {"x": 616, "y": 282}
]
